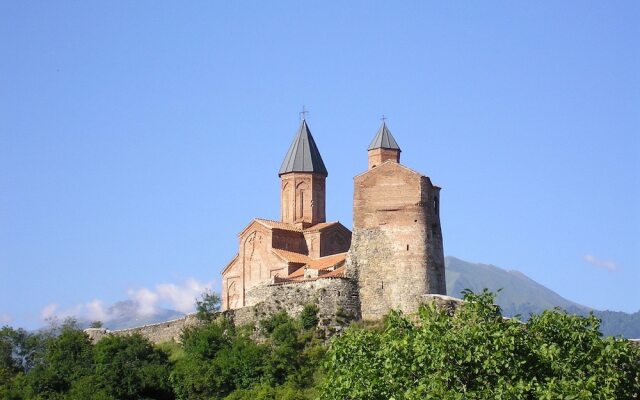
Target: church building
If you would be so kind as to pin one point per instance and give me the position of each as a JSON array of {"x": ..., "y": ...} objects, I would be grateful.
[
  {"x": 391, "y": 261},
  {"x": 302, "y": 245}
]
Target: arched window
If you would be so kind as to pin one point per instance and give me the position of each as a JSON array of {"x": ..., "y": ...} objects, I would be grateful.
[{"x": 301, "y": 193}]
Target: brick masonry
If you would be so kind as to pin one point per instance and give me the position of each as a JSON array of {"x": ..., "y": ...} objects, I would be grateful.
[{"x": 396, "y": 253}]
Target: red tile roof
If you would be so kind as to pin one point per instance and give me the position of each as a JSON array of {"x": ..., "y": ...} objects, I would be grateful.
[
  {"x": 269, "y": 223},
  {"x": 328, "y": 261},
  {"x": 321, "y": 226},
  {"x": 290, "y": 256},
  {"x": 336, "y": 273},
  {"x": 278, "y": 225},
  {"x": 335, "y": 260}
]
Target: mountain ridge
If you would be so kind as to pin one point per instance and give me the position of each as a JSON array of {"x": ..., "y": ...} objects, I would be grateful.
[{"x": 518, "y": 294}]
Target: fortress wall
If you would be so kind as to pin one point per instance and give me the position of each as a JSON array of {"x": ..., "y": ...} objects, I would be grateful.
[
  {"x": 156, "y": 333},
  {"x": 336, "y": 299}
]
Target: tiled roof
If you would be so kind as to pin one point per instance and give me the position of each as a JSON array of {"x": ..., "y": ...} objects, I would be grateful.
[
  {"x": 320, "y": 226},
  {"x": 297, "y": 273},
  {"x": 278, "y": 225},
  {"x": 292, "y": 257},
  {"x": 315, "y": 263},
  {"x": 269, "y": 223},
  {"x": 318, "y": 263},
  {"x": 328, "y": 261},
  {"x": 336, "y": 273}
]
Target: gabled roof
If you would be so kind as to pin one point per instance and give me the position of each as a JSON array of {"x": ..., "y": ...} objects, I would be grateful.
[
  {"x": 324, "y": 263},
  {"x": 291, "y": 256},
  {"x": 271, "y": 224},
  {"x": 321, "y": 226},
  {"x": 303, "y": 154},
  {"x": 384, "y": 140}
]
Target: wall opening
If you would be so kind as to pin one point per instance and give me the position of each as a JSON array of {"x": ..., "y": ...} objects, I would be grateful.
[
  {"x": 407, "y": 247},
  {"x": 301, "y": 205}
]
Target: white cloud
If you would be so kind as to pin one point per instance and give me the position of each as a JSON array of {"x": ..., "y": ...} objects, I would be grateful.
[
  {"x": 5, "y": 319},
  {"x": 49, "y": 311},
  {"x": 182, "y": 298},
  {"x": 95, "y": 310},
  {"x": 142, "y": 302},
  {"x": 605, "y": 264},
  {"x": 146, "y": 300}
]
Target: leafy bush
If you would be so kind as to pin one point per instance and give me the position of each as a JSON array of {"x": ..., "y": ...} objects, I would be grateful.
[
  {"x": 130, "y": 367},
  {"x": 309, "y": 316},
  {"x": 477, "y": 354}
]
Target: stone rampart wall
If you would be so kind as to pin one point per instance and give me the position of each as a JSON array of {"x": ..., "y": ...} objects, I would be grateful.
[
  {"x": 156, "y": 333},
  {"x": 336, "y": 299}
]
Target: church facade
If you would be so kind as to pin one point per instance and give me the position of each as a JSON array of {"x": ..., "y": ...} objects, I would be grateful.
[{"x": 394, "y": 257}]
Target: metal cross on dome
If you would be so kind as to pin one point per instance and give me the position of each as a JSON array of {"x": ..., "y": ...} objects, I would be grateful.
[
  {"x": 303, "y": 113},
  {"x": 383, "y": 119}
]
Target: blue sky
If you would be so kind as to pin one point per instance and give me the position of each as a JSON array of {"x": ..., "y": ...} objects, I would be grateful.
[{"x": 138, "y": 138}]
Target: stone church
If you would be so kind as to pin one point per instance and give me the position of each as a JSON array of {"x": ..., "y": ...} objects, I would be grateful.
[{"x": 391, "y": 260}]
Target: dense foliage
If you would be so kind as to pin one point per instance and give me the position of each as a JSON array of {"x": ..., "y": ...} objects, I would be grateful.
[
  {"x": 477, "y": 354},
  {"x": 472, "y": 354},
  {"x": 214, "y": 361}
]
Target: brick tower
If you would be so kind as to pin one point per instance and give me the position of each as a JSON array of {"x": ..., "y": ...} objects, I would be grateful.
[
  {"x": 396, "y": 252},
  {"x": 302, "y": 182}
]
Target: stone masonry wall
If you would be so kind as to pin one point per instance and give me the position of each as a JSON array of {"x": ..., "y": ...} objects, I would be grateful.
[
  {"x": 156, "y": 333},
  {"x": 396, "y": 253},
  {"x": 336, "y": 298}
]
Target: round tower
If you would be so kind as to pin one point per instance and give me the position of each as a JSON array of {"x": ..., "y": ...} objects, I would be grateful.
[{"x": 396, "y": 252}]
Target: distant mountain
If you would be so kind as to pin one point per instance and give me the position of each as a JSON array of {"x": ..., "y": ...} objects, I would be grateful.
[
  {"x": 126, "y": 314},
  {"x": 521, "y": 295}
]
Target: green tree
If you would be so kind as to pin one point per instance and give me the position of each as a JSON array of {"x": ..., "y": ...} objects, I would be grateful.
[
  {"x": 96, "y": 324},
  {"x": 21, "y": 350},
  {"x": 217, "y": 361},
  {"x": 130, "y": 368},
  {"x": 67, "y": 357},
  {"x": 477, "y": 354},
  {"x": 207, "y": 305}
]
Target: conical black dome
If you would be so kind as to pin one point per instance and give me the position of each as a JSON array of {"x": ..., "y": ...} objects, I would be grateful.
[
  {"x": 303, "y": 155},
  {"x": 384, "y": 140}
]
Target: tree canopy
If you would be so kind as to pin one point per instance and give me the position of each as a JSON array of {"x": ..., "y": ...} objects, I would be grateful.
[
  {"x": 470, "y": 353},
  {"x": 475, "y": 353}
]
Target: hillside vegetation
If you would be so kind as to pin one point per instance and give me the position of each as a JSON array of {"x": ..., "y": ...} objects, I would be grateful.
[
  {"x": 472, "y": 354},
  {"x": 518, "y": 294}
]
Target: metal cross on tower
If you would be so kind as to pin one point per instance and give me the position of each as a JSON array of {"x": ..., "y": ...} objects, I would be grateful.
[{"x": 303, "y": 113}]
